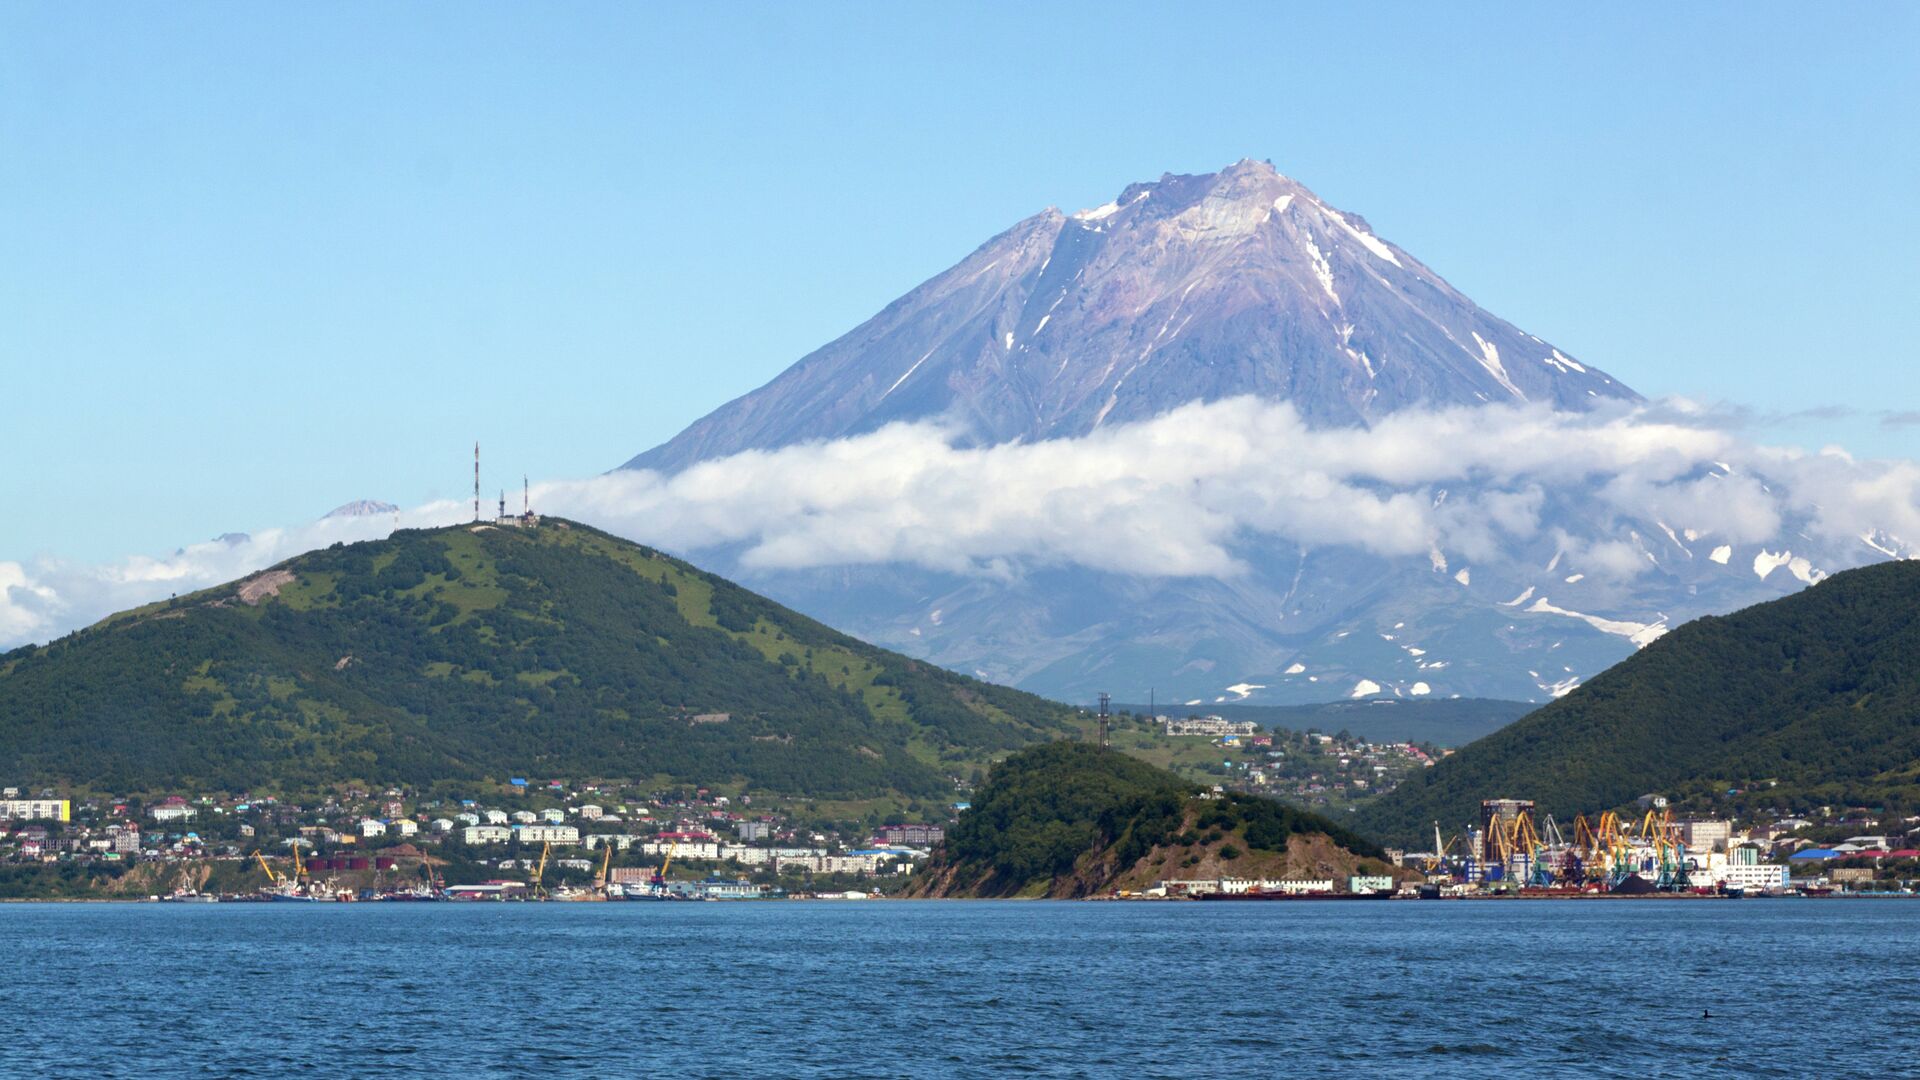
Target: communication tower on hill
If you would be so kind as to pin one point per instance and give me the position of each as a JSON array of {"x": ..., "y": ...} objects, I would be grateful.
[
  {"x": 1106, "y": 718},
  {"x": 476, "y": 480}
]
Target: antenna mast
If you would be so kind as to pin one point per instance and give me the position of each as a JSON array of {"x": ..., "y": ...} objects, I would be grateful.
[
  {"x": 526, "y": 498},
  {"x": 1106, "y": 717},
  {"x": 476, "y": 480}
]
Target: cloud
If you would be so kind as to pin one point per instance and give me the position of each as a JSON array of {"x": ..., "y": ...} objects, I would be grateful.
[
  {"x": 1180, "y": 494},
  {"x": 44, "y": 598},
  {"x": 1185, "y": 494}
]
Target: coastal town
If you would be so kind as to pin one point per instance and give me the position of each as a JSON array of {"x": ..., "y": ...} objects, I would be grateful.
[
  {"x": 534, "y": 841},
  {"x": 550, "y": 839}
]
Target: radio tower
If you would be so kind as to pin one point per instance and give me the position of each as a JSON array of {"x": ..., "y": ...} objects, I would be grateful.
[
  {"x": 476, "y": 480},
  {"x": 1106, "y": 718},
  {"x": 526, "y": 497}
]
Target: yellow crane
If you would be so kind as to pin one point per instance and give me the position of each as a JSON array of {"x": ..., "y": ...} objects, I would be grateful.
[
  {"x": 540, "y": 872},
  {"x": 272, "y": 878}
]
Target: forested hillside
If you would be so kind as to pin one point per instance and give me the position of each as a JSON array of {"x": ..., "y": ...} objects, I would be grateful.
[
  {"x": 1812, "y": 699},
  {"x": 483, "y": 652},
  {"x": 1073, "y": 819}
]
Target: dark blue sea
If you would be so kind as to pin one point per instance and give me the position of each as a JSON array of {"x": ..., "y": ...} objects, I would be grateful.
[{"x": 885, "y": 989}]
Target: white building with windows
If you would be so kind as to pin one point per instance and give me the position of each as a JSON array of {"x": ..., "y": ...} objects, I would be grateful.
[
  {"x": 1210, "y": 726},
  {"x": 547, "y": 834},
  {"x": 683, "y": 849},
  {"x": 37, "y": 809}
]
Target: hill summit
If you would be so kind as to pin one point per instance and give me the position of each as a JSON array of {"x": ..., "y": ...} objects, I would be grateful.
[
  {"x": 1071, "y": 819},
  {"x": 479, "y": 653}
]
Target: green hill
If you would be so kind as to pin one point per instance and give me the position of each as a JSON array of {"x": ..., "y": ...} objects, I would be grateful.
[
  {"x": 478, "y": 653},
  {"x": 1071, "y": 819},
  {"x": 1812, "y": 699}
]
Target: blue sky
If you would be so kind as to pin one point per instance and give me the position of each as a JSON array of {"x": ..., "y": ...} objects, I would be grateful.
[{"x": 262, "y": 261}]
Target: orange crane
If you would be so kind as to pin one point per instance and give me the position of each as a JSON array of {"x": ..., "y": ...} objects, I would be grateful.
[
  {"x": 660, "y": 875},
  {"x": 606, "y": 864}
]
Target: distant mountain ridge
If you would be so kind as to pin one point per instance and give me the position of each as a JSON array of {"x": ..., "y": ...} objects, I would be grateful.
[
  {"x": 362, "y": 508},
  {"x": 1188, "y": 288}
]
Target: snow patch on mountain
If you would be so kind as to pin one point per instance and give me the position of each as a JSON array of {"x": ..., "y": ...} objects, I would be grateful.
[
  {"x": 1369, "y": 242},
  {"x": 1490, "y": 359},
  {"x": 1766, "y": 562},
  {"x": 1641, "y": 634}
]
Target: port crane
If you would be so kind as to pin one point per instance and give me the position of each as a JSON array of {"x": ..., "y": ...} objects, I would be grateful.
[
  {"x": 540, "y": 872},
  {"x": 1669, "y": 851},
  {"x": 1437, "y": 863},
  {"x": 1528, "y": 841},
  {"x": 267, "y": 867},
  {"x": 601, "y": 879}
]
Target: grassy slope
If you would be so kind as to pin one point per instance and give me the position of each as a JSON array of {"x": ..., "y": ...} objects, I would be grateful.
[
  {"x": 1810, "y": 699},
  {"x": 475, "y": 654}
]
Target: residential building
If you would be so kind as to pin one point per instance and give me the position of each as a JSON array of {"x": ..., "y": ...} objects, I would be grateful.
[
  {"x": 36, "y": 809},
  {"x": 1707, "y": 835},
  {"x": 1210, "y": 726},
  {"x": 912, "y": 835},
  {"x": 173, "y": 808},
  {"x": 683, "y": 849},
  {"x": 547, "y": 834},
  {"x": 485, "y": 834}
]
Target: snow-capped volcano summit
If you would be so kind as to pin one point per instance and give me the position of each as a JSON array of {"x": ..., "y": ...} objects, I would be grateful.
[
  {"x": 1509, "y": 551},
  {"x": 1190, "y": 287}
]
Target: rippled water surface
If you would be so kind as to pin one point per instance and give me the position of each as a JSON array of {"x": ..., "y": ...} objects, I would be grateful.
[{"x": 1795, "y": 988}]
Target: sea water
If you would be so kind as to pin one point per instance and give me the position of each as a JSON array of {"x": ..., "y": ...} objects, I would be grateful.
[{"x": 934, "y": 989}]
